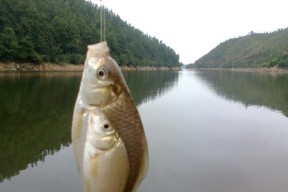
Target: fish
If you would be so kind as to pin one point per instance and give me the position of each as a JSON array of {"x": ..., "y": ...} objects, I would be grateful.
[
  {"x": 105, "y": 157},
  {"x": 108, "y": 138}
]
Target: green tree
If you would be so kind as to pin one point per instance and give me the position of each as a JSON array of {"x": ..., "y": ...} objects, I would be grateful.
[
  {"x": 60, "y": 30},
  {"x": 8, "y": 44}
]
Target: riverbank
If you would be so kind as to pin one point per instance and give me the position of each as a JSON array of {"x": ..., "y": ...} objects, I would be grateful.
[
  {"x": 259, "y": 70},
  {"x": 15, "y": 67}
]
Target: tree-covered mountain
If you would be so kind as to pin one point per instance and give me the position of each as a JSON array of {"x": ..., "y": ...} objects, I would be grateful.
[
  {"x": 252, "y": 50},
  {"x": 59, "y": 31}
]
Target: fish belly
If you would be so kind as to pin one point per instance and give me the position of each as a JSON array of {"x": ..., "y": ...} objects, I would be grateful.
[{"x": 105, "y": 171}]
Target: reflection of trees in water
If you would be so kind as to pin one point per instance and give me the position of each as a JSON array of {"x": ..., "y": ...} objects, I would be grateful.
[
  {"x": 36, "y": 112},
  {"x": 250, "y": 88},
  {"x": 148, "y": 85},
  {"x": 35, "y": 118}
]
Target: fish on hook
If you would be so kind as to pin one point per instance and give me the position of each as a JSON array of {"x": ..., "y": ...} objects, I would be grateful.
[{"x": 108, "y": 138}]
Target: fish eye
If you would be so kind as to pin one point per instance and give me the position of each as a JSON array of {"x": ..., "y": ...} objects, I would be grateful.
[
  {"x": 106, "y": 126},
  {"x": 102, "y": 73}
]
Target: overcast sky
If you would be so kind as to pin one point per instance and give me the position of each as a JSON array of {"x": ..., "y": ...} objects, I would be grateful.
[{"x": 193, "y": 27}]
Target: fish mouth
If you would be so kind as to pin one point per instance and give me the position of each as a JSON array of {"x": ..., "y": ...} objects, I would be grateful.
[{"x": 101, "y": 86}]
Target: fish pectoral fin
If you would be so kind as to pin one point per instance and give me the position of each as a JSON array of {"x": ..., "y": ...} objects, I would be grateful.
[
  {"x": 87, "y": 186},
  {"x": 93, "y": 161},
  {"x": 79, "y": 122}
]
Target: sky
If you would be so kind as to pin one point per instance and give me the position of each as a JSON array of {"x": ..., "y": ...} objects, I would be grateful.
[{"x": 194, "y": 27}]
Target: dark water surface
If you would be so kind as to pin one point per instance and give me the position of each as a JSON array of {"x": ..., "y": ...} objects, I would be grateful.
[{"x": 208, "y": 131}]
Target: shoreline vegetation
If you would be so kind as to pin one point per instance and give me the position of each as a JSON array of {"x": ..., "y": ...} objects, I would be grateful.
[
  {"x": 257, "y": 69},
  {"x": 43, "y": 67},
  {"x": 52, "y": 67}
]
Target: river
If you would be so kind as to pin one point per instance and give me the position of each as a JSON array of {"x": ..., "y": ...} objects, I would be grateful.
[{"x": 207, "y": 131}]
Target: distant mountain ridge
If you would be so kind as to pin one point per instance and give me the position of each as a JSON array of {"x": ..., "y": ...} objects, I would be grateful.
[{"x": 250, "y": 51}]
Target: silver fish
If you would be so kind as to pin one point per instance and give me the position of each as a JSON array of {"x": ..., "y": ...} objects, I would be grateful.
[{"x": 108, "y": 138}]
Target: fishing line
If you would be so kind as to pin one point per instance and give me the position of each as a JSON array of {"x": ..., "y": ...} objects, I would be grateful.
[{"x": 102, "y": 23}]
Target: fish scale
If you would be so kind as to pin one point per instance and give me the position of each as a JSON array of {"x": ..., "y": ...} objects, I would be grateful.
[{"x": 125, "y": 118}]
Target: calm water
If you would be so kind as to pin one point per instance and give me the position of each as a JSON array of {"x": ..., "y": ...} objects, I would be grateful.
[{"x": 208, "y": 131}]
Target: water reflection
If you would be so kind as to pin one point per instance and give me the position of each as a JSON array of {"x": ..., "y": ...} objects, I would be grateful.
[
  {"x": 36, "y": 111},
  {"x": 35, "y": 117},
  {"x": 148, "y": 85},
  {"x": 261, "y": 89}
]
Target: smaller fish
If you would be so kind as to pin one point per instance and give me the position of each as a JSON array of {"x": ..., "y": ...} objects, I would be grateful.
[{"x": 103, "y": 146}]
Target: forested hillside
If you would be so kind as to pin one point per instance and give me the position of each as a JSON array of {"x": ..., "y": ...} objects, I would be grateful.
[
  {"x": 59, "y": 31},
  {"x": 253, "y": 50}
]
